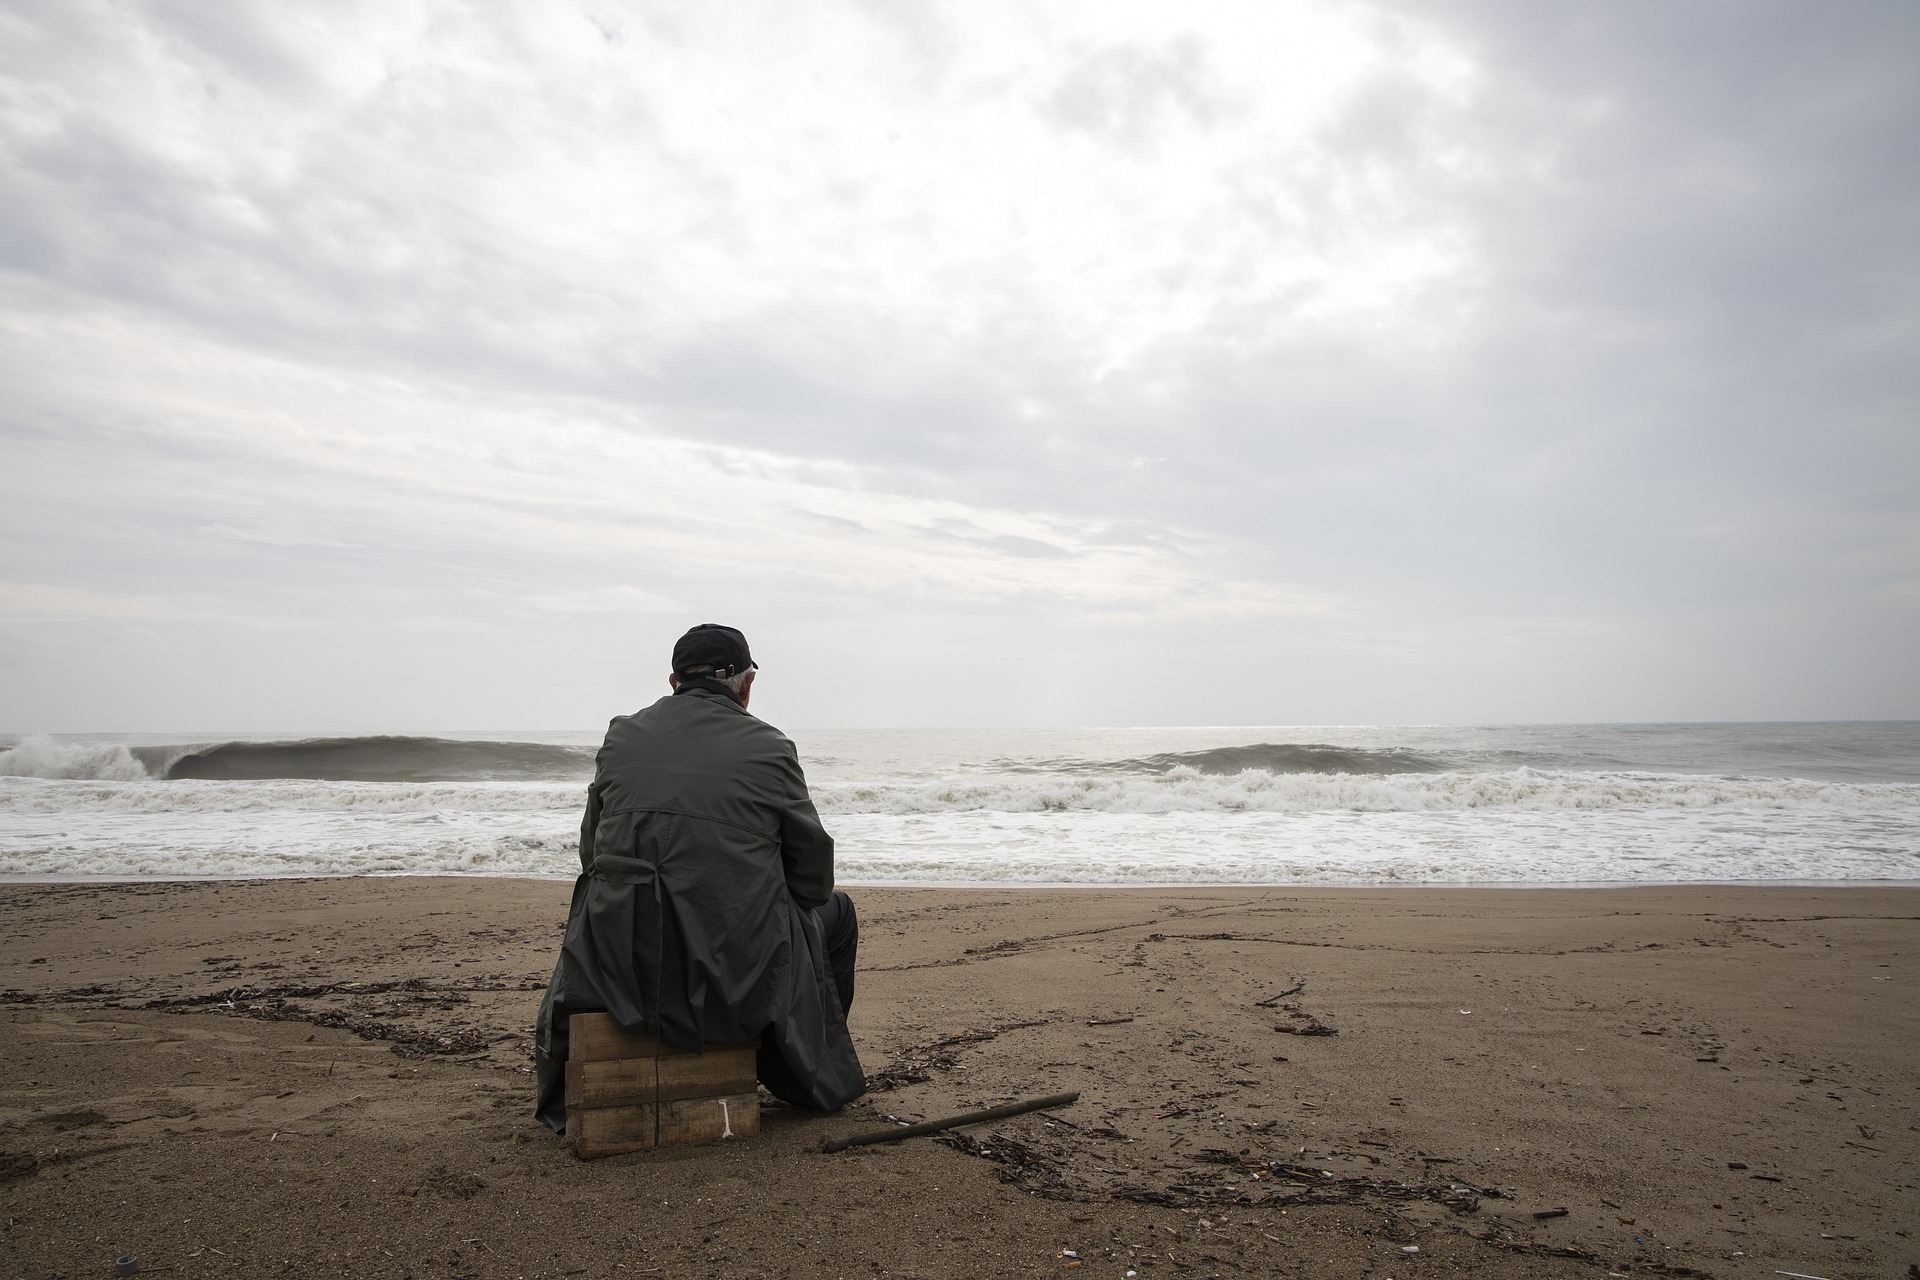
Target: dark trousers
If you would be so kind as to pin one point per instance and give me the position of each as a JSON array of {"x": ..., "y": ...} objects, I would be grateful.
[{"x": 842, "y": 930}]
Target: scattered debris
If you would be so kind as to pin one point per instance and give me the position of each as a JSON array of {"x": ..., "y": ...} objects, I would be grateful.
[
  {"x": 1021, "y": 1165},
  {"x": 1311, "y": 1027},
  {"x": 1305, "y": 1184},
  {"x": 917, "y": 1063}
]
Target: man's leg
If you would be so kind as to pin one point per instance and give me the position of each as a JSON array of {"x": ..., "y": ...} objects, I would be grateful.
[{"x": 841, "y": 928}]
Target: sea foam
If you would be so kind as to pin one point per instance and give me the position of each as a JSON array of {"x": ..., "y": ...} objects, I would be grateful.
[{"x": 1526, "y": 804}]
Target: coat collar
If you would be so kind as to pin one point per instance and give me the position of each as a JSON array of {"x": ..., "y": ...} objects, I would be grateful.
[{"x": 702, "y": 684}]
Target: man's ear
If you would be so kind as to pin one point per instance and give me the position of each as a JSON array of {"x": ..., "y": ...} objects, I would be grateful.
[
  {"x": 746, "y": 686},
  {"x": 673, "y": 682}
]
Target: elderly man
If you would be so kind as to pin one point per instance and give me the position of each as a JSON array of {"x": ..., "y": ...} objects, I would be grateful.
[{"x": 705, "y": 912}]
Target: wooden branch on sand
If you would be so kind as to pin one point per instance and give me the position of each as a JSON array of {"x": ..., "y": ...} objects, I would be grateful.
[
  {"x": 951, "y": 1122},
  {"x": 1299, "y": 985}
]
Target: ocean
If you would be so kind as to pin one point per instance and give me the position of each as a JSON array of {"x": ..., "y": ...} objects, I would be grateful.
[{"x": 1274, "y": 805}]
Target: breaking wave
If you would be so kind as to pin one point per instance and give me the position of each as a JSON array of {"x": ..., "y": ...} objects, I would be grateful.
[
  {"x": 384, "y": 759},
  {"x": 42, "y": 757},
  {"x": 1262, "y": 757},
  {"x": 366, "y": 759},
  {"x": 418, "y": 759},
  {"x": 1281, "y": 757}
]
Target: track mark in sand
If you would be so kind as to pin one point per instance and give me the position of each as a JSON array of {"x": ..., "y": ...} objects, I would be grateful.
[
  {"x": 1011, "y": 946},
  {"x": 916, "y": 1064},
  {"x": 394, "y": 1012},
  {"x": 1017, "y": 946}
]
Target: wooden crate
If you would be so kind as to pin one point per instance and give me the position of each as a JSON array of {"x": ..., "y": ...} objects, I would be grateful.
[{"x": 627, "y": 1092}]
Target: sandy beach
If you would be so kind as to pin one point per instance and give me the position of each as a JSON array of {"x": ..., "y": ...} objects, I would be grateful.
[{"x": 330, "y": 1077}]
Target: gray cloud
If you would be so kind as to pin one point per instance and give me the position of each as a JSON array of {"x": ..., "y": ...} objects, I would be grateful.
[
  {"x": 1548, "y": 362},
  {"x": 1120, "y": 92}
]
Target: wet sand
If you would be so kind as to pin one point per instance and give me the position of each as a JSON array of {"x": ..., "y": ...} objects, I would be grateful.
[{"x": 331, "y": 1078}]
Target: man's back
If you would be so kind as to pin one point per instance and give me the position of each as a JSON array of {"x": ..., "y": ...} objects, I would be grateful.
[
  {"x": 704, "y": 758},
  {"x": 704, "y": 803},
  {"x": 703, "y": 862}
]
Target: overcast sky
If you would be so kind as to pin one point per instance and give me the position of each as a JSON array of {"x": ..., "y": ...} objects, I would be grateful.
[{"x": 403, "y": 366}]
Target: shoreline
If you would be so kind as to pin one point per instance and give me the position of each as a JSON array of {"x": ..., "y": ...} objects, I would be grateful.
[
  {"x": 346, "y": 1055},
  {"x": 1157, "y": 886}
]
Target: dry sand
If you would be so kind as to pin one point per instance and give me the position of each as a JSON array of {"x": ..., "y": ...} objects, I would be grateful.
[{"x": 330, "y": 1078}]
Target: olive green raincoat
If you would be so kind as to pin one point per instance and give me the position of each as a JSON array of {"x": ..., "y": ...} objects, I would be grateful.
[{"x": 703, "y": 862}]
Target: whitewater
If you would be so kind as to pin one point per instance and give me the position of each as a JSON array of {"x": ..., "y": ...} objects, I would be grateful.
[{"x": 1276, "y": 805}]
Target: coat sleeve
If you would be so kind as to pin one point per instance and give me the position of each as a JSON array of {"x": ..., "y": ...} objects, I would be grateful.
[
  {"x": 806, "y": 850},
  {"x": 588, "y": 822}
]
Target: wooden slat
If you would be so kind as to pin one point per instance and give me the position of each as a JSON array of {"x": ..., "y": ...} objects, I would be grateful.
[
  {"x": 596, "y": 1037},
  {"x": 618, "y": 1082},
  {"x": 719, "y": 1071},
  {"x": 607, "y": 1131},
  {"x": 694, "y": 1120},
  {"x": 630, "y": 1081}
]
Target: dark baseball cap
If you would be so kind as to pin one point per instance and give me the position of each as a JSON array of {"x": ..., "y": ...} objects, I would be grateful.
[{"x": 712, "y": 650}]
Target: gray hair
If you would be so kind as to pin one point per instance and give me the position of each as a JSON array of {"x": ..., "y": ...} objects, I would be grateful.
[{"x": 735, "y": 682}]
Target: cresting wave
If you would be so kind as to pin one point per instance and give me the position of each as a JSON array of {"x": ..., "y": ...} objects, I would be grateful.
[
  {"x": 1286, "y": 757},
  {"x": 368, "y": 759},
  {"x": 418, "y": 759},
  {"x": 384, "y": 759}
]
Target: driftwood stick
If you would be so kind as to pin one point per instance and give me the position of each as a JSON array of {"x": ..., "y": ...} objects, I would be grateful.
[
  {"x": 951, "y": 1122},
  {"x": 1299, "y": 985}
]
